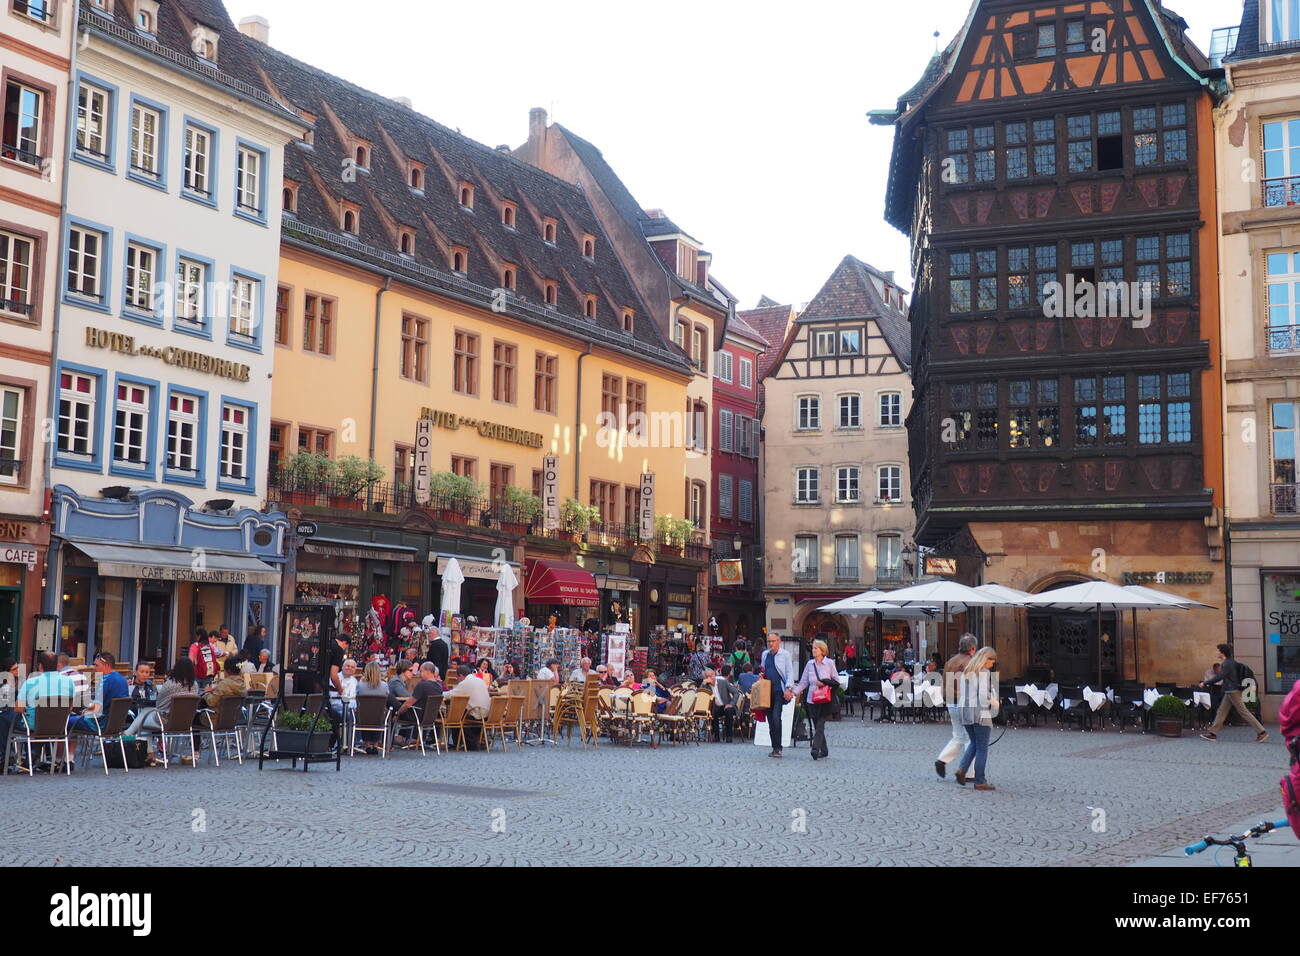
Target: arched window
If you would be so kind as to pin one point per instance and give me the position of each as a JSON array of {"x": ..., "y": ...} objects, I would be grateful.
[
  {"x": 349, "y": 221},
  {"x": 290, "y": 200}
]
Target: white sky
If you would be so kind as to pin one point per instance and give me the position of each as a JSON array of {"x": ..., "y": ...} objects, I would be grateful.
[{"x": 744, "y": 120}]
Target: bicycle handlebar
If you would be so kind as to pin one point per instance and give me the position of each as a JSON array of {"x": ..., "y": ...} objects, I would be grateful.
[
  {"x": 1196, "y": 848},
  {"x": 1255, "y": 832}
]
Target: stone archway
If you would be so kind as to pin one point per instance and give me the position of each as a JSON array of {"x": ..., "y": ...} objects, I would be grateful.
[{"x": 1068, "y": 646}]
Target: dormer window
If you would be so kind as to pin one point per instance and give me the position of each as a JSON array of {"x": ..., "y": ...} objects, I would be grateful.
[
  {"x": 687, "y": 261},
  {"x": 550, "y": 292},
  {"x": 416, "y": 178},
  {"x": 589, "y": 306},
  {"x": 629, "y": 321},
  {"x": 351, "y": 219},
  {"x": 203, "y": 42},
  {"x": 309, "y": 135},
  {"x": 103, "y": 6},
  {"x": 406, "y": 241},
  {"x": 466, "y": 195},
  {"x": 146, "y": 16},
  {"x": 459, "y": 260},
  {"x": 508, "y": 214},
  {"x": 362, "y": 156},
  {"x": 548, "y": 230},
  {"x": 290, "y": 203},
  {"x": 508, "y": 277},
  {"x": 589, "y": 247}
]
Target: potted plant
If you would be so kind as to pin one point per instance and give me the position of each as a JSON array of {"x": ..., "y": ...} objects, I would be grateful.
[
  {"x": 577, "y": 517},
  {"x": 303, "y": 477},
  {"x": 1169, "y": 713},
  {"x": 673, "y": 533},
  {"x": 353, "y": 475},
  {"x": 301, "y": 733},
  {"x": 452, "y": 496},
  {"x": 518, "y": 510}
]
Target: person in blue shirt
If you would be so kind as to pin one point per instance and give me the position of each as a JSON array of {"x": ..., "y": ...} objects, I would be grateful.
[
  {"x": 47, "y": 687},
  {"x": 110, "y": 686},
  {"x": 747, "y": 678}
]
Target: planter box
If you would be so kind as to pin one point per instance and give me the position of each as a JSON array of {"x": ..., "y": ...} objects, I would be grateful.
[
  {"x": 452, "y": 517},
  {"x": 345, "y": 501},
  {"x": 302, "y": 741},
  {"x": 1169, "y": 726},
  {"x": 509, "y": 527},
  {"x": 303, "y": 499}
]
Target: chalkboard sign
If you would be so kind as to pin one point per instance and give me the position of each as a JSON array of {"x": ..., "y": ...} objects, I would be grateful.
[{"x": 307, "y": 630}]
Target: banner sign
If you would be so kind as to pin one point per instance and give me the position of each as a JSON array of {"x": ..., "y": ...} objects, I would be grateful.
[
  {"x": 730, "y": 573},
  {"x": 551, "y": 492},
  {"x": 647, "y": 511},
  {"x": 423, "y": 459}
]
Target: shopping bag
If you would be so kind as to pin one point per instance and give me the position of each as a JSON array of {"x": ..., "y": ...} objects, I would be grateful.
[{"x": 761, "y": 694}]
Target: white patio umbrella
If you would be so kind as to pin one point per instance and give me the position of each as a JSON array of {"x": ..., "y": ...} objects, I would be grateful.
[
  {"x": 1010, "y": 594},
  {"x": 1103, "y": 595},
  {"x": 506, "y": 584},
  {"x": 868, "y": 602},
  {"x": 452, "y": 578},
  {"x": 1174, "y": 600},
  {"x": 945, "y": 594}
]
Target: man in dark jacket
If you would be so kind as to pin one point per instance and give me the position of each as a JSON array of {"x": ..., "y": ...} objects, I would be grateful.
[{"x": 1231, "y": 676}]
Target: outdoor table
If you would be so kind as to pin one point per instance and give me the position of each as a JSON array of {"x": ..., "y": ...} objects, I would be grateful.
[
  {"x": 1201, "y": 697},
  {"x": 1031, "y": 691}
]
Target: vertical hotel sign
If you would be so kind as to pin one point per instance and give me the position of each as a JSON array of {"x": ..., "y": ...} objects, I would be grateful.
[
  {"x": 647, "y": 509},
  {"x": 423, "y": 458},
  {"x": 551, "y": 492}
]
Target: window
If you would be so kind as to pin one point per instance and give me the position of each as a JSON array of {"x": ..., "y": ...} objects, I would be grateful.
[
  {"x": 1046, "y": 45},
  {"x": 459, "y": 260},
  {"x": 416, "y": 178},
  {"x": 465, "y": 467},
  {"x": 726, "y": 499},
  {"x": 77, "y": 396},
  {"x": 191, "y": 283},
  {"x": 611, "y": 395},
  {"x": 1020, "y": 427},
  {"x": 589, "y": 306},
  {"x": 809, "y": 414},
  {"x": 234, "y": 442},
  {"x": 631, "y": 505},
  {"x": 688, "y": 259},
  {"x": 24, "y": 124},
  {"x": 466, "y": 195},
  {"x": 850, "y": 342},
  {"x": 891, "y": 409},
  {"x": 361, "y": 156},
  {"x": 806, "y": 486},
  {"x": 746, "y": 500},
  {"x": 500, "y": 477},
  {"x": 725, "y": 425},
  {"x": 803, "y": 559},
  {"x": 1164, "y": 264},
  {"x": 1044, "y": 136},
  {"x": 722, "y": 366},
  {"x": 508, "y": 277},
  {"x": 244, "y": 293},
  {"x": 146, "y": 142},
  {"x": 508, "y": 214},
  {"x": 1160, "y": 135},
  {"x": 847, "y": 490},
  {"x": 85, "y": 262},
  {"x": 604, "y": 498},
  {"x": 747, "y": 436},
  {"x": 846, "y": 558},
  {"x": 351, "y": 221},
  {"x": 889, "y": 484},
  {"x": 889, "y": 557},
  {"x": 248, "y": 180},
  {"x": 1100, "y": 411},
  {"x": 17, "y": 256},
  {"x": 282, "y": 295},
  {"x": 183, "y": 416},
  {"x": 415, "y": 348},
  {"x": 973, "y": 272},
  {"x": 406, "y": 241},
  {"x": 1283, "y": 301},
  {"x": 850, "y": 411},
  {"x": 824, "y": 343},
  {"x": 1282, "y": 162},
  {"x": 629, "y": 319},
  {"x": 680, "y": 332},
  {"x": 548, "y": 230},
  {"x": 970, "y": 148},
  {"x": 1164, "y": 408},
  {"x": 318, "y": 324},
  {"x": 700, "y": 349},
  {"x": 698, "y": 508},
  {"x": 699, "y": 419},
  {"x": 198, "y": 162},
  {"x": 1285, "y": 432},
  {"x": 505, "y": 370},
  {"x": 544, "y": 379},
  {"x": 1283, "y": 21},
  {"x": 465, "y": 363},
  {"x": 12, "y": 402},
  {"x": 403, "y": 465},
  {"x": 93, "y": 122},
  {"x": 589, "y": 247},
  {"x": 315, "y": 440},
  {"x": 275, "y": 455},
  {"x": 746, "y": 373},
  {"x": 141, "y": 270},
  {"x": 131, "y": 425},
  {"x": 144, "y": 21},
  {"x": 550, "y": 292},
  {"x": 41, "y": 10},
  {"x": 636, "y": 422}
]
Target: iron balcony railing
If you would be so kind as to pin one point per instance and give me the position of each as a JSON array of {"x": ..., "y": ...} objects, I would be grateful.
[
  {"x": 1286, "y": 499},
  {"x": 847, "y": 574},
  {"x": 1283, "y": 191},
  {"x": 889, "y": 575},
  {"x": 20, "y": 155},
  {"x": 1284, "y": 338},
  {"x": 806, "y": 577}
]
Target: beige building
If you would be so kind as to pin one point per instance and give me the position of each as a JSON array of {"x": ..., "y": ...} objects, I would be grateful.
[
  {"x": 1257, "y": 128},
  {"x": 836, "y": 489}
]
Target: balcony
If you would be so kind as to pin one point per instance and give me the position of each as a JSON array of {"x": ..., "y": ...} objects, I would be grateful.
[
  {"x": 1284, "y": 191},
  {"x": 889, "y": 575},
  {"x": 847, "y": 574},
  {"x": 806, "y": 577},
  {"x": 1283, "y": 338},
  {"x": 1286, "y": 499}
]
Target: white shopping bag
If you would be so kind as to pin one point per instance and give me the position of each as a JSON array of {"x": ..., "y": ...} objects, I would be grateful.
[{"x": 763, "y": 728}]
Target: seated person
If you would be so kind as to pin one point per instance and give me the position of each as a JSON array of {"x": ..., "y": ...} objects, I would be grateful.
[
  {"x": 579, "y": 674},
  {"x": 607, "y": 678},
  {"x": 371, "y": 684},
  {"x": 110, "y": 685},
  {"x": 264, "y": 663},
  {"x": 398, "y": 686},
  {"x": 747, "y": 678},
  {"x": 662, "y": 694},
  {"x": 231, "y": 683},
  {"x": 549, "y": 671},
  {"x": 485, "y": 672},
  {"x": 472, "y": 686},
  {"x": 347, "y": 678},
  {"x": 143, "y": 692},
  {"x": 426, "y": 693},
  {"x": 508, "y": 673}
]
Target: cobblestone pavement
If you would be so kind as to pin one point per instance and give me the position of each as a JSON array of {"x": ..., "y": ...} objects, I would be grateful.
[{"x": 875, "y": 801}]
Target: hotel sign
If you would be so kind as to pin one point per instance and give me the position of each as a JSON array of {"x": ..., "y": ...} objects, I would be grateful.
[
  {"x": 506, "y": 433},
  {"x": 423, "y": 458},
  {"x": 647, "y": 509},
  {"x": 551, "y": 492},
  {"x": 181, "y": 358}
]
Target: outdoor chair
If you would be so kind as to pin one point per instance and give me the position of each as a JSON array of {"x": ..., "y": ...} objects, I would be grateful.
[
  {"x": 50, "y": 727},
  {"x": 179, "y": 725},
  {"x": 427, "y": 721},
  {"x": 514, "y": 720},
  {"x": 495, "y": 721},
  {"x": 744, "y": 718},
  {"x": 110, "y": 732},
  {"x": 372, "y": 714},
  {"x": 702, "y": 714},
  {"x": 456, "y": 719},
  {"x": 1128, "y": 708},
  {"x": 643, "y": 718},
  {"x": 224, "y": 725}
]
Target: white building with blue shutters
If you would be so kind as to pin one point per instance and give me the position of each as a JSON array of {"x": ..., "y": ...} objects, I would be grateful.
[{"x": 164, "y": 354}]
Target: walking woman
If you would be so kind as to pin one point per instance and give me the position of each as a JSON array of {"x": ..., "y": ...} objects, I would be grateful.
[
  {"x": 821, "y": 679},
  {"x": 977, "y": 702}
]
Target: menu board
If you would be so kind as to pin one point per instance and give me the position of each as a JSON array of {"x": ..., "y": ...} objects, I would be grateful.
[
  {"x": 616, "y": 654},
  {"x": 1281, "y": 631}
]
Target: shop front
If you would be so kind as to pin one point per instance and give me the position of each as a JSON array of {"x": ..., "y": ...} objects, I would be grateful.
[
  {"x": 620, "y": 591},
  {"x": 670, "y": 598},
  {"x": 560, "y": 589},
  {"x": 135, "y": 576},
  {"x": 348, "y": 574},
  {"x": 1281, "y": 605},
  {"x": 478, "y": 592},
  {"x": 23, "y": 544}
]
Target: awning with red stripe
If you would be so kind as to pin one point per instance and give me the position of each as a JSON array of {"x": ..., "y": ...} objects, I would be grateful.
[{"x": 559, "y": 582}]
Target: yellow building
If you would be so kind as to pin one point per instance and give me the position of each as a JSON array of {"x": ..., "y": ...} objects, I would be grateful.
[{"x": 426, "y": 276}]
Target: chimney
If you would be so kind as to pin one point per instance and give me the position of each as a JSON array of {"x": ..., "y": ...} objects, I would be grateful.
[
  {"x": 402, "y": 101},
  {"x": 256, "y": 28},
  {"x": 536, "y": 124}
]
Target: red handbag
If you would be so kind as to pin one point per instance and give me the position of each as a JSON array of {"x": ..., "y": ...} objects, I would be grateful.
[{"x": 821, "y": 693}]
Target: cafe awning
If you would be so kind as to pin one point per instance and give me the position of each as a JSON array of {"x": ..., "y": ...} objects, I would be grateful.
[
  {"x": 176, "y": 564},
  {"x": 559, "y": 582},
  {"x": 340, "y": 548}
]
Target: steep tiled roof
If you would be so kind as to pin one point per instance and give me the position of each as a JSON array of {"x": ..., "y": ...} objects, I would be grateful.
[
  {"x": 398, "y": 135},
  {"x": 850, "y": 292},
  {"x": 173, "y": 41},
  {"x": 770, "y": 322}
]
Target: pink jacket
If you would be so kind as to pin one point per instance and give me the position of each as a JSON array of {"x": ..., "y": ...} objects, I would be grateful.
[{"x": 1289, "y": 716}]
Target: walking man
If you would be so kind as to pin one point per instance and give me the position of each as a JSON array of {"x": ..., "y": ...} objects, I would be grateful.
[
  {"x": 779, "y": 669},
  {"x": 1231, "y": 675},
  {"x": 951, "y": 675}
]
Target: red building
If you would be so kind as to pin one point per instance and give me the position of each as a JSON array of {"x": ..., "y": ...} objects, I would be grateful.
[{"x": 736, "y": 588}]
